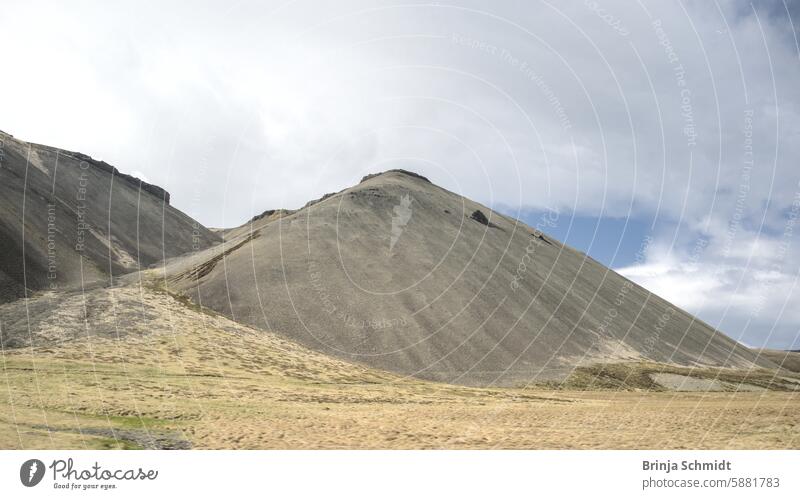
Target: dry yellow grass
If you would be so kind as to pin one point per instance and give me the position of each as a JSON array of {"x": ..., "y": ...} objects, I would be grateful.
[{"x": 180, "y": 377}]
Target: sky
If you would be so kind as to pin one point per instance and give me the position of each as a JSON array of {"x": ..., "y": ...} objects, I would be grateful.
[{"x": 665, "y": 134}]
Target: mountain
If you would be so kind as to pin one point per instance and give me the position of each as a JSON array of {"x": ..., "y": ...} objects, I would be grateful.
[
  {"x": 394, "y": 273},
  {"x": 401, "y": 275},
  {"x": 67, "y": 220}
]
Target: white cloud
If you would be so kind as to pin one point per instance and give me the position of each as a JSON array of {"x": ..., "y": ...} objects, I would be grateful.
[{"x": 751, "y": 293}]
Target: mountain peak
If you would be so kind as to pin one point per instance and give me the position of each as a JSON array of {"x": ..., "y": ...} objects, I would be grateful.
[{"x": 395, "y": 170}]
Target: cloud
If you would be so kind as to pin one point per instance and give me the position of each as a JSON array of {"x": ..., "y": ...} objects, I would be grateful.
[
  {"x": 740, "y": 281},
  {"x": 683, "y": 113},
  {"x": 552, "y": 105},
  {"x": 753, "y": 305}
]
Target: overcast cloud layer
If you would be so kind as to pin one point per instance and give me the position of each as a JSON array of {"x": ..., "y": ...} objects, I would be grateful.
[{"x": 685, "y": 115}]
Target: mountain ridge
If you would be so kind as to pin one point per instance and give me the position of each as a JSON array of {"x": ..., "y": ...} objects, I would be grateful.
[
  {"x": 157, "y": 191},
  {"x": 329, "y": 276},
  {"x": 67, "y": 220}
]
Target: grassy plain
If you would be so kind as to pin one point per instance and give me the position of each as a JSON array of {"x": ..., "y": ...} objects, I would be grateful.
[{"x": 180, "y": 377}]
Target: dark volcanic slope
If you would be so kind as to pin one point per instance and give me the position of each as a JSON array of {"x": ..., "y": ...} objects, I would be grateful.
[
  {"x": 56, "y": 206},
  {"x": 402, "y": 275}
]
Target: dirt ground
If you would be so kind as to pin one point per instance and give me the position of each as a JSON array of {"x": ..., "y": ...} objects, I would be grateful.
[{"x": 181, "y": 378}]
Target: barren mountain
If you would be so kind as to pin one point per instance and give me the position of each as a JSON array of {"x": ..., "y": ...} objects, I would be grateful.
[
  {"x": 394, "y": 273},
  {"x": 399, "y": 274},
  {"x": 67, "y": 219}
]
